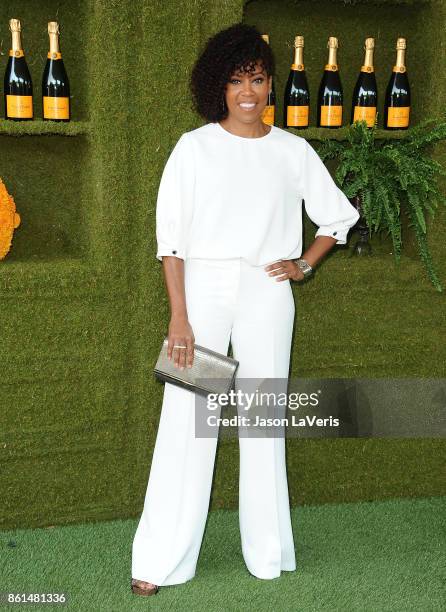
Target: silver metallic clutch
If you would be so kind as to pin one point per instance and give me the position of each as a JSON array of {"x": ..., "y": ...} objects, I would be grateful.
[{"x": 211, "y": 372}]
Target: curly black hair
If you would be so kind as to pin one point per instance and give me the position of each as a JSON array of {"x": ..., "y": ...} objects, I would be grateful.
[{"x": 237, "y": 48}]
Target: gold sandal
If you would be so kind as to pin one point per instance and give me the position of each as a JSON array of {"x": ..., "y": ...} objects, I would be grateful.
[{"x": 138, "y": 588}]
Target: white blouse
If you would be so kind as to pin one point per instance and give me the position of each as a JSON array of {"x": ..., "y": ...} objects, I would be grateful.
[{"x": 223, "y": 196}]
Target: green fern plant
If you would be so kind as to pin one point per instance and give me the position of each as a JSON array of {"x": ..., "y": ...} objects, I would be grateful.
[{"x": 390, "y": 176}]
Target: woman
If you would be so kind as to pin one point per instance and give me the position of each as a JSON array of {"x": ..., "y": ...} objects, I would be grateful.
[{"x": 229, "y": 233}]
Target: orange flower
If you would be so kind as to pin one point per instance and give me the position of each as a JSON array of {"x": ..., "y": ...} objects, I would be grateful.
[{"x": 9, "y": 220}]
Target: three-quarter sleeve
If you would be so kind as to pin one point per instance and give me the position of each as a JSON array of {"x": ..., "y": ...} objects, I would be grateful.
[
  {"x": 175, "y": 201},
  {"x": 325, "y": 203}
]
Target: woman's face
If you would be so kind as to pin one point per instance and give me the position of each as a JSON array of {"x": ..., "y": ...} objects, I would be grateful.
[{"x": 247, "y": 94}]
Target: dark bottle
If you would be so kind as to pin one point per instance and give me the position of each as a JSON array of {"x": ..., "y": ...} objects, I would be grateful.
[
  {"x": 297, "y": 95},
  {"x": 330, "y": 96},
  {"x": 397, "y": 101},
  {"x": 55, "y": 84},
  {"x": 268, "y": 114},
  {"x": 365, "y": 93},
  {"x": 18, "y": 87}
]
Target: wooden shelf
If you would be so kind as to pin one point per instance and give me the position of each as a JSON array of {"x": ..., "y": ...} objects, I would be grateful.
[
  {"x": 38, "y": 127},
  {"x": 315, "y": 133}
]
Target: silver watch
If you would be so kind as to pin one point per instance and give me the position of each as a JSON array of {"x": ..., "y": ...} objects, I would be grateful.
[{"x": 304, "y": 266}]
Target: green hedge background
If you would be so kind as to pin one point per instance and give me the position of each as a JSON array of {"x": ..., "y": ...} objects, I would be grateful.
[{"x": 83, "y": 304}]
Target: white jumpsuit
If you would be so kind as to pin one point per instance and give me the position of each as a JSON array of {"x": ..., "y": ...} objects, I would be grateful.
[{"x": 229, "y": 206}]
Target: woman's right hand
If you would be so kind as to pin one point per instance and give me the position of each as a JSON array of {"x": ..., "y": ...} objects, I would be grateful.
[{"x": 180, "y": 332}]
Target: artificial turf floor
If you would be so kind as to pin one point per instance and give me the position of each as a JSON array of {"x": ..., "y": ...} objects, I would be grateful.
[{"x": 369, "y": 556}]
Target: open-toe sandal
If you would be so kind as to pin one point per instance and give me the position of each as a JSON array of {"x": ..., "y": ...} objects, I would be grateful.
[{"x": 139, "y": 587}]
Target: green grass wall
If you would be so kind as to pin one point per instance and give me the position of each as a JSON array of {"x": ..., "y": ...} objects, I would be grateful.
[{"x": 83, "y": 305}]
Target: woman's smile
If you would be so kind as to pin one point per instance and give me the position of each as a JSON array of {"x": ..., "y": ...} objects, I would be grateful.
[{"x": 247, "y": 106}]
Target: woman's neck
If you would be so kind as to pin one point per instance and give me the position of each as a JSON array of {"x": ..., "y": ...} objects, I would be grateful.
[{"x": 246, "y": 130}]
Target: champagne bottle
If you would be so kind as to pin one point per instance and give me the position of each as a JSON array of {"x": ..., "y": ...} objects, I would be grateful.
[
  {"x": 365, "y": 93},
  {"x": 297, "y": 95},
  {"x": 330, "y": 96},
  {"x": 18, "y": 85},
  {"x": 55, "y": 84},
  {"x": 269, "y": 110},
  {"x": 397, "y": 101}
]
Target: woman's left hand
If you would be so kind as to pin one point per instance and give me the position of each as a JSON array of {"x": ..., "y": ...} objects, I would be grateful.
[{"x": 285, "y": 269}]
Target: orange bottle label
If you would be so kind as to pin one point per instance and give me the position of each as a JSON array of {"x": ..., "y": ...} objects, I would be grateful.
[
  {"x": 365, "y": 113},
  {"x": 19, "y": 107},
  {"x": 57, "y": 55},
  {"x": 332, "y": 67},
  {"x": 56, "y": 108},
  {"x": 331, "y": 115},
  {"x": 268, "y": 115},
  {"x": 398, "y": 116},
  {"x": 19, "y": 53},
  {"x": 367, "y": 69},
  {"x": 297, "y": 116}
]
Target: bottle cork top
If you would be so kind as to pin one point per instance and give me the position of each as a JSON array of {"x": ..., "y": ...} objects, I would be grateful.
[
  {"x": 265, "y": 38},
  {"x": 332, "y": 42},
  {"x": 53, "y": 27},
  {"x": 299, "y": 41},
  {"x": 401, "y": 43},
  {"x": 15, "y": 25},
  {"x": 369, "y": 43}
]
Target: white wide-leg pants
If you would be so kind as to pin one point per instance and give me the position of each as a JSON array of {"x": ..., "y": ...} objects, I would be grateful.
[{"x": 226, "y": 299}]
